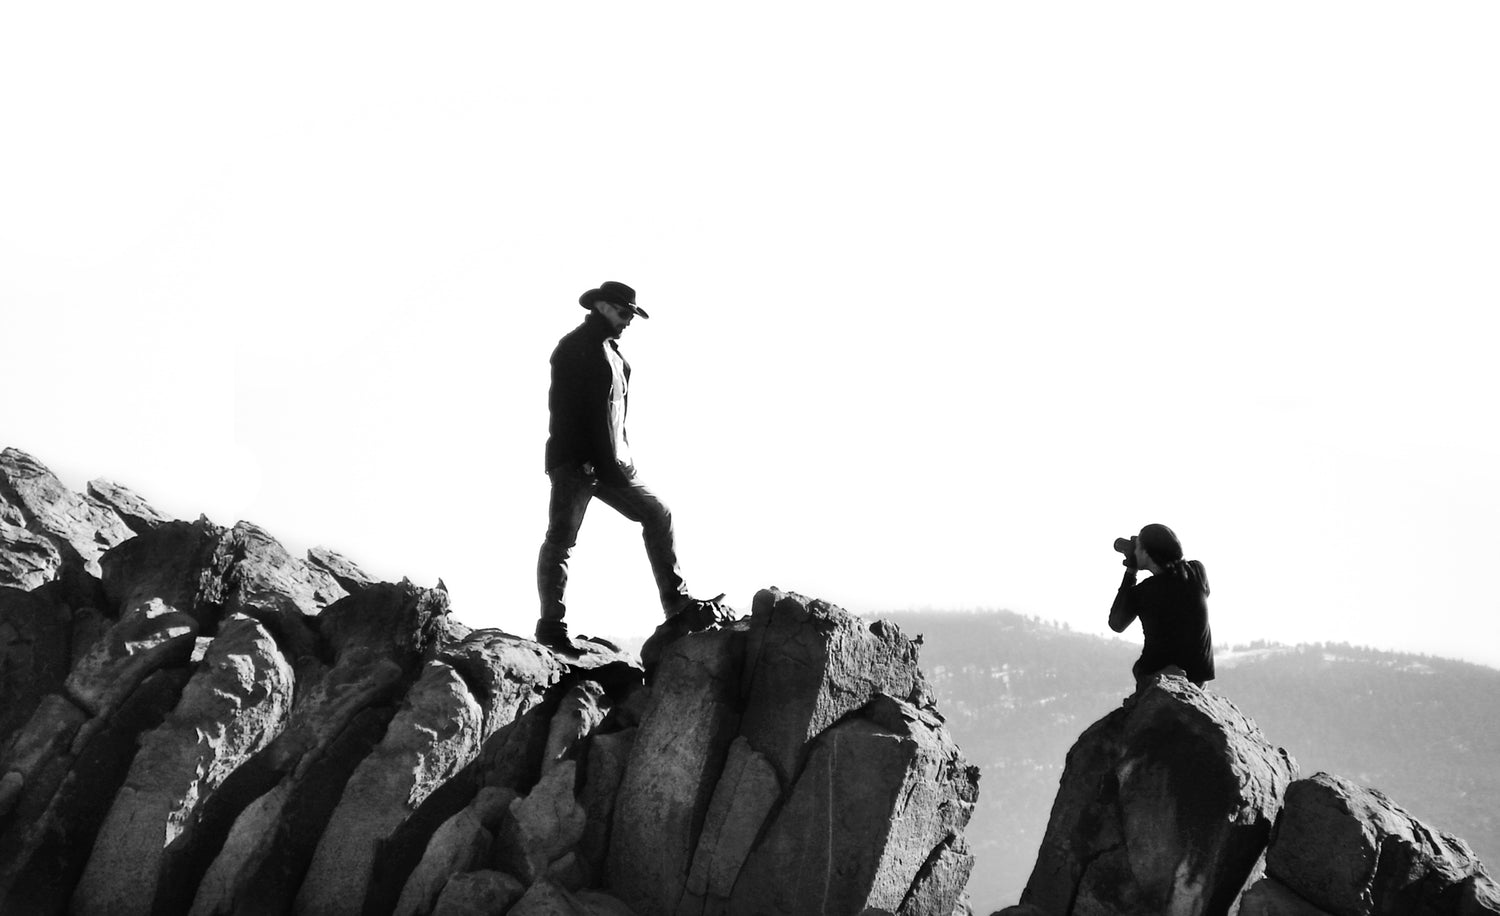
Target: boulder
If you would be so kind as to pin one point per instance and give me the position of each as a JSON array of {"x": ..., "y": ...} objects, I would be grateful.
[
  {"x": 1165, "y": 806},
  {"x": 47, "y": 836},
  {"x": 541, "y": 828},
  {"x": 507, "y": 675},
  {"x": 939, "y": 887},
  {"x": 601, "y": 661},
  {"x": 678, "y": 753},
  {"x": 235, "y": 703},
  {"x": 396, "y": 621},
  {"x": 1346, "y": 849},
  {"x": 137, "y": 514},
  {"x": 745, "y": 794},
  {"x": 104, "y": 679},
  {"x": 463, "y": 843},
  {"x": 256, "y": 576},
  {"x": 608, "y": 755},
  {"x": 512, "y": 757},
  {"x": 282, "y": 803},
  {"x": 250, "y": 573},
  {"x": 435, "y": 735},
  {"x": 148, "y": 637},
  {"x": 165, "y": 565},
  {"x": 363, "y": 680},
  {"x": 27, "y": 559},
  {"x": 884, "y": 797},
  {"x": 737, "y": 766},
  {"x": 343, "y": 570},
  {"x": 578, "y": 715},
  {"x": 82, "y": 528},
  {"x": 808, "y": 664},
  {"x": 210, "y": 573},
  {"x": 512, "y": 681}
]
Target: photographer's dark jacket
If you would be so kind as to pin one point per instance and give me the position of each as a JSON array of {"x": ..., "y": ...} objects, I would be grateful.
[
  {"x": 587, "y": 403},
  {"x": 1173, "y": 609}
]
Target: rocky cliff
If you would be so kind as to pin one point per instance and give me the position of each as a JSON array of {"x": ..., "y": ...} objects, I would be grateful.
[
  {"x": 1340, "y": 848},
  {"x": 1176, "y": 805},
  {"x": 192, "y": 720},
  {"x": 1165, "y": 806}
]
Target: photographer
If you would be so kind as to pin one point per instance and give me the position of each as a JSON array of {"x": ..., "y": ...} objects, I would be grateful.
[{"x": 1172, "y": 606}]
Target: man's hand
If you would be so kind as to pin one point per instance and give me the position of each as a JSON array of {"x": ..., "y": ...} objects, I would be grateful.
[{"x": 588, "y": 469}]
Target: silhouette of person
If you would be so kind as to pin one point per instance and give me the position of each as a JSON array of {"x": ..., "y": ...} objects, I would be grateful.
[
  {"x": 1172, "y": 606},
  {"x": 588, "y": 457}
]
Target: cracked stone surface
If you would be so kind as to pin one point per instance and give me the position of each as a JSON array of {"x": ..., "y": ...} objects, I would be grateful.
[
  {"x": 1165, "y": 806},
  {"x": 198, "y": 722},
  {"x": 1348, "y": 849}
]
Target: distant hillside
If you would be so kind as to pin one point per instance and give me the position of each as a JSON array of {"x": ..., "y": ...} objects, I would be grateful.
[{"x": 1017, "y": 692}]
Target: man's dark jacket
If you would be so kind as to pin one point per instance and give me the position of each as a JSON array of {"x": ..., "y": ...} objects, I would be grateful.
[{"x": 578, "y": 401}]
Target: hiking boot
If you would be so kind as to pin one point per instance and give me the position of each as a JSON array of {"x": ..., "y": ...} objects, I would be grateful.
[
  {"x": 697, "y": 614},
  {"x": 694, "y": 616},
  {"x": 554, "y": 635}
]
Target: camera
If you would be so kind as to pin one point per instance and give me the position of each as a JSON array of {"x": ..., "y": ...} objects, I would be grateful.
[{"x": 1126, "y": 546}]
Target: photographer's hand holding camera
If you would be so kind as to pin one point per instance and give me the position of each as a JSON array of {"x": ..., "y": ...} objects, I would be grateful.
[{"x": 1172, "y": 606}]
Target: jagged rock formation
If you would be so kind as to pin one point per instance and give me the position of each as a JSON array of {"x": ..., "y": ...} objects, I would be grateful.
[
  {"x": 1340, "y": 849},
  {"x": 45, "y": 526},
  {"x": 1174, "y": 803},
  {"x": 1165, "y": 807},
  {"x": 841, "y": 784},
  {"x": 194, "y": 721}
]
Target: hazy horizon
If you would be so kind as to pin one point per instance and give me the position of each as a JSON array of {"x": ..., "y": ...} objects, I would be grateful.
[{"x": 943, "y": 300}]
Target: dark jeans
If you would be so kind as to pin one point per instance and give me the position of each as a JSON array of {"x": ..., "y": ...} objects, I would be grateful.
[{"x": 571, "y": 492}]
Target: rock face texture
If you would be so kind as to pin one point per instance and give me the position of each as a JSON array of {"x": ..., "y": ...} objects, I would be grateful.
[
  {"x": 1175, "y": 802},
  {"x": 194, "y": 721},
  {"x": 1343, "y": 849},
  {"x": 1165, "y": 806},
  {"x": 792, "y": 763},
  {"x": 78, "y": 528}
]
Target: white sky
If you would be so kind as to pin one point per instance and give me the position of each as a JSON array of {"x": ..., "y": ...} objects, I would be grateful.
[{"x": 945, "y": 297}]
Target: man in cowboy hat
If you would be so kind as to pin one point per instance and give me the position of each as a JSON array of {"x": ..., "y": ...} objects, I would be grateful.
[{"x": 588, "y": 457}]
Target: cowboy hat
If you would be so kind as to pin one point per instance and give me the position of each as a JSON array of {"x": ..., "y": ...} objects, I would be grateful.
[{"x": 611, "y": 291}]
